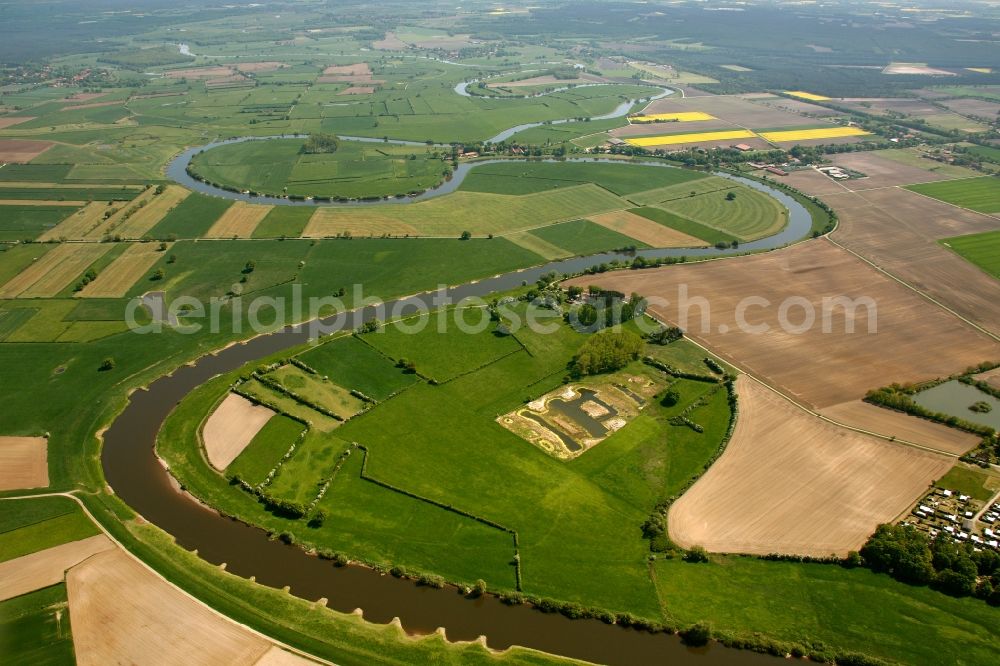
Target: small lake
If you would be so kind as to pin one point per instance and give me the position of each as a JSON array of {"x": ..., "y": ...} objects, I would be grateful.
[{"x": 955, "y": 398}]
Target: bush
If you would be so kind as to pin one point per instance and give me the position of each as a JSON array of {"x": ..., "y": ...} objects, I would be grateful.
[
  {"x": 320, "y": 143},
  {"x": 670, "y": 398},
  {"x": 318, "y": 518},
  {"x": 697, "y": 635},
  {"x": 107, "y": 364},
  {"x": 696, "y": 554}
]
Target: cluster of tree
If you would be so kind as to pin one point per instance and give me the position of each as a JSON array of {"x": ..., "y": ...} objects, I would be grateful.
[
  {"x": 87, "y": 278},
  {"x": 665, "y": 335},
  {"x": 909, "y": 555},
  {"x": 605, "y": 352},
  {"x": 320, "y": 143},
  {"x": 605, "y": 308}
]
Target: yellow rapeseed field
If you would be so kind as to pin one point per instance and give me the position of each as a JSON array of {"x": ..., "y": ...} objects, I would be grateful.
[
  {"x": 805, "y": 95},
  {"x": 691, "y": 137},
  {"x": 806, "y": 134},
  {"x": 683, "y": 117}
]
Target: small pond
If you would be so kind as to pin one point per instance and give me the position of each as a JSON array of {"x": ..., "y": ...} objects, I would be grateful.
[{"x": 955, "y": 398}]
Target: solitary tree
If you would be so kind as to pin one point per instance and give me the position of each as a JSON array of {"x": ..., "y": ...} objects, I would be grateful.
[
  {"x": 466, "y": 235},
  {"x": 730, "y": 196}
]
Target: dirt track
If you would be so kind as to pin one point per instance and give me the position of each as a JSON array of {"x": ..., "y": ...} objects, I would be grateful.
[
  {"x": 898, "y": 230},
  {"x": 791, "y": 483},
  {"x": 124, "y": 614},
  {"x": 47, "y": 567}
]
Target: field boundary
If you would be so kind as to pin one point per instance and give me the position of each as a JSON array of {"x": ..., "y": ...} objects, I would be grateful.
[
  {"x": 73, "y": 496},
  {"x": 994, "y": 216},
  {"x": 448, "y": 507},
  {"x": 928, "y": 297},
  {"x": 862, "y": 431}
]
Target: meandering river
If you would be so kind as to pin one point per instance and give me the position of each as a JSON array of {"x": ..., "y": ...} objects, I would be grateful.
[{"x": 133, "y": 470}]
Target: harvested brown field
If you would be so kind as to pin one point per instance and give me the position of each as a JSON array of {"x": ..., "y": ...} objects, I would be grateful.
[
  {"x": 41, "y": 202},
  {"x": 898, "y": 230},
  {"x": 883, "y": 172},
  {"x": 357, "y": 69},
  {"x": 231, "y": 427},
  {"x": 752, "y": 113},
  {"x": 199, "y": 72},
  {"x": 800, "y": 107},
  {"x": 791, "y": 483},
  {"x": 357, "y": 73},
  {"x": 645, "y": 230},
  {"x": 123, "y": 613},
  {"x": 238, "y": 221},
  {"x": 10, "y": 121},
  {"x": 328, "y": 222},
  {"x": 47, "y": 567},
  {"x": 22, "y": 150},
  {"x": 147, "y": 217},
  {"x": 94, "y": 105},
  {"x": 902, "y": 426},
  {"x": 816, "y": 368},
  {"x": 55, "y": 271},
  {"x": 905, "y": 105},
  {"x": 78, "y": 225},
  {"x": 357, "y": 90},
  {"x": 971, "y": 107},
  {"x": 23, "y": 463},
  {"x": 123, "y": 211},
  {"x": 117, "y": 278},
  {"x": 813, "y": 182}
]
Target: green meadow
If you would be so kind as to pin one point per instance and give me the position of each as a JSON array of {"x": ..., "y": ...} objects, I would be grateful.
[
  {"x": 35, "y": 629},
  {"x": 980, "y": 194},
  {"x": 355, "y": 170},
  {"x": 983, "y": 250}
]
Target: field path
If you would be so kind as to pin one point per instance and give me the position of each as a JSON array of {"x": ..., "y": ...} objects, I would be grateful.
[
  {"x": 47, "y": 567},
  {"x": 125, "y": 567}
]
